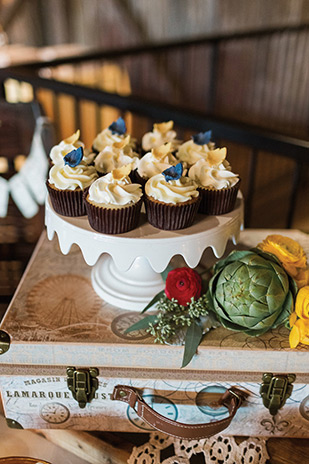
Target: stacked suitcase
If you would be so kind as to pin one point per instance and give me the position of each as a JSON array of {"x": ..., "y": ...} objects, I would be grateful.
[{"x": 63, "y": 350}]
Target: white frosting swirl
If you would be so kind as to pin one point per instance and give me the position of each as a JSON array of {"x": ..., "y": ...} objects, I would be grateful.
[
  {"x": 107, "y": 138},
  {"x": 174, "y": 191},
  {"x": 149, "y": 165},
  {"x": 114, "y": 193},
  {"x": 59, "y": 151},
  {"x": 88, "y": 157},
  {"x": 113, "y": 158},
  {"x": 190, "y": 152},
  {"x": 66, "y": 178},
  {"x": 155, "y": 139},
  {"x": 217, "y": 177}
]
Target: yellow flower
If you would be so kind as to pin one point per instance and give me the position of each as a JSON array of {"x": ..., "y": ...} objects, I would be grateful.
[
  {"x": 292, "y": 319},
  {"x": 299, "y": 319},
  {"x": 294, "y": 337},
  {"x": 290, "y": 254},
  {"x": 299, "y": 333},
  {"x": 302, "y": 278},
  {"x": 302, "y": 303}
]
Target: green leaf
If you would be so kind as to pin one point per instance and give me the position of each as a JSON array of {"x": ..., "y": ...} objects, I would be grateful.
[
  {"x": 164, "y": 273},
  {"x": 193, "y": 339},
  {"x": 154, "y": 300},
  {"x": 143, "y": 323}
]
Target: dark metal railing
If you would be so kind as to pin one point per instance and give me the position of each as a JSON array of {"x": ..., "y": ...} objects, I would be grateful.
[{"x": 254, "y": 138}]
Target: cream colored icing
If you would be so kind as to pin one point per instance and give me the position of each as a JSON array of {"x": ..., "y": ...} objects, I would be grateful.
[
  {"x": 66, "y": 178},
  {"x": 89, "y": 156},
  {"x": 149, "y": 165},
  {"x": 190, "y": 152},
  {"x": 174, "y": 191},
  {"x": 106, "y": 139},
  {"x": 113, "y": 158},
  {"x": 155, "y": 139},
  {"x": 217, "y": 177},
  {"x": 59, "y": 151},
  {"x": 115, "y": 193}
]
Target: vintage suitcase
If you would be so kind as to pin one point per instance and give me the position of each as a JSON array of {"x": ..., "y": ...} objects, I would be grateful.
[{"x": 59, "y": 340}]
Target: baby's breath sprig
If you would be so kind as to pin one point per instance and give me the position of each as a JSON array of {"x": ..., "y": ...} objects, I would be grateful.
[{"x": 171, "y": 316}]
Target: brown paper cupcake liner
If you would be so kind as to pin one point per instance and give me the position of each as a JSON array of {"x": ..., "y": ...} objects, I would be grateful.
[
  {"x": 137, "y": 179},
  {"x": 113, "y": 221},
  {"x": 67, "y": 202},
  {"x": 171, "y": 217},
  {"x": 216, "y": 202},
  {"x": 94, "y": 150}
]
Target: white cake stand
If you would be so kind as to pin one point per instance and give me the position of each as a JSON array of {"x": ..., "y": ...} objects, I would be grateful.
[{"x": 126, "y": 267}]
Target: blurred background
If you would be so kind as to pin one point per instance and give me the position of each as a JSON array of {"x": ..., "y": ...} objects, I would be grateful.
[{"x": 238, "y": 67}]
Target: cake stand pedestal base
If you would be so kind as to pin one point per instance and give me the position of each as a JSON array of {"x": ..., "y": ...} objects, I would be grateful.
[
  {"x": 127, "y": 266},
  {"x": 131, "y": 289}
]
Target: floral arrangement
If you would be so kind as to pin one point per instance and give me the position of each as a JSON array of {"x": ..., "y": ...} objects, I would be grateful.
[
  {"x": 294, "y": 261},
  {"x": 251, "y": 291}
]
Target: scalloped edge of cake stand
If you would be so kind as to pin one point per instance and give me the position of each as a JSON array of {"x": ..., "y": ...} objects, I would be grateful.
[{"x": 127, "y": 267}]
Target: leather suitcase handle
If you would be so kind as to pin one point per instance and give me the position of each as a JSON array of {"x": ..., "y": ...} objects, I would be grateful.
[{"x": 231, "y": 399}]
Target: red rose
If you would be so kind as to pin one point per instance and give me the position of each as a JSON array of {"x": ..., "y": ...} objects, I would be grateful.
[{"x": 182, "y": 284}]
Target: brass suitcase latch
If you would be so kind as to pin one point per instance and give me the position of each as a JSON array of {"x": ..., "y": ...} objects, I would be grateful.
[
  {"x": 83, "y": 384},
  {"x": 275, "y": 390}
]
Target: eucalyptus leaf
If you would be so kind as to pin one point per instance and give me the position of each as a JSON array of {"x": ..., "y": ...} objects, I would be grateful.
[
  {"x": 193, "y": 339},
  {"x": 143, "y": 323},
  {"x": 156, "y": 298},
  {"x": 166, "y": 272}
]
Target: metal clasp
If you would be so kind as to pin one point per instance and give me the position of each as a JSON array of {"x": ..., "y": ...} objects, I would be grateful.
[
  {"x": 275, "y": 390},
  {"x": 83, "y": 384}
]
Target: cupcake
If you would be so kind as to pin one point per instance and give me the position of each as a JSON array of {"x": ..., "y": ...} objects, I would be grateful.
[
  {"x": 58, "y": 152},
  {"x": 193, "y": 150},
  {"x": 172, "y": 200},
  {"x": 115, "y": 133},
  {"x": 115, "y": 156},
  {"x": 217, "y": 184},
  {"x": 162, "y": 133},
  {"x": 113, "y": 203},
  {"x": 154, "y": 162},
  {"x": 68, "y": 181}
]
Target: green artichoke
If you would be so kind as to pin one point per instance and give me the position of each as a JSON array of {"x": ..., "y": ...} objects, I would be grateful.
[{"x": 251, "y": 292}]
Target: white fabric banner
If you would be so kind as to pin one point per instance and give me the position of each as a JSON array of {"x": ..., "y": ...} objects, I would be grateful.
[
  {"x": 22, "y": 197},
  {"x": 4, "y": 197},
  {"x": 27, "y": 187}
]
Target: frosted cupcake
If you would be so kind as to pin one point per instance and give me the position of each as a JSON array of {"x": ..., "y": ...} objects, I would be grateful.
[
  {"x": 172, "y": 200},
  {"x": 196, "y": 149},
  {"x": 162, "y": 133},
  {"x": 68, "y": 181},
  {"x": 115, "y": 156},
  {"x": 217, "y": 184},
  {"x": 113, "y": 203},
  {"x": 154, "y": 162},
  {"x": 114, "y": 133},
  {"x": 58, "y": 152}
]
